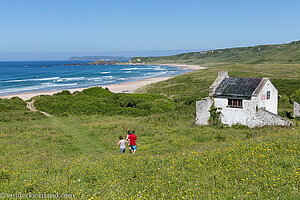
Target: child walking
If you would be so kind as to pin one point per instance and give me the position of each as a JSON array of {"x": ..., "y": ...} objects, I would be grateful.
[
  {"x": 122, "y": 144},
  {"x": 132, "y": 138}
]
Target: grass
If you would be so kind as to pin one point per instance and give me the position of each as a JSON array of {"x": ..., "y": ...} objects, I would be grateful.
[
  {"x": 76, "y": 153},
  {"x": 174, "y": 160}
]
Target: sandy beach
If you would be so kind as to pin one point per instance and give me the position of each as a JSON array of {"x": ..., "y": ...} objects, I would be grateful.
[
  {"x": 185, "y": 67},
  {"x": 127, "y": 87}
]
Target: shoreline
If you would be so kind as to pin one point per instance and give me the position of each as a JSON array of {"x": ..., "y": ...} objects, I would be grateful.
[
  {"x": 181, "y": 66},
  {"x": 126, "y": 87},
  {"x": 185, "y": 67}
]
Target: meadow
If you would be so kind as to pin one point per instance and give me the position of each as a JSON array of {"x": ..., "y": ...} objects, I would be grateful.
[
  {"x": 175, "y": 159},
  {"x": 75, "y": 152}
]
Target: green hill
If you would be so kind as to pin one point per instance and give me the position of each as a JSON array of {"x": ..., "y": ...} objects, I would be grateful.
[{"x": 262, "y": 54}]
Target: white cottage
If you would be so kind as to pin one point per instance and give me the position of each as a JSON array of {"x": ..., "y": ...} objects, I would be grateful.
[{"x": 247, "y": 101}]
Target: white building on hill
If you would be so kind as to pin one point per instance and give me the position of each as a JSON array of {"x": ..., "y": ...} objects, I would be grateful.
[{"x": 246, "y": 101}]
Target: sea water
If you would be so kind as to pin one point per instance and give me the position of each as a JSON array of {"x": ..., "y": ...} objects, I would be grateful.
[{"x": 35, "y": 76}]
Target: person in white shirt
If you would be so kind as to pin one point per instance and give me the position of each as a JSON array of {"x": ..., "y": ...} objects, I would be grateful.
[{"x": 122, "y": 144}]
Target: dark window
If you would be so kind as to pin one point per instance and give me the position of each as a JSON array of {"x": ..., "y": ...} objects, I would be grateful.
[
  {"x": 238, "y": 103},
  {"x": 268, "y": 95}
]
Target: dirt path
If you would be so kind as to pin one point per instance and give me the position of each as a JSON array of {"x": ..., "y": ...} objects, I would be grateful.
[{"x": 31, "y": 107}]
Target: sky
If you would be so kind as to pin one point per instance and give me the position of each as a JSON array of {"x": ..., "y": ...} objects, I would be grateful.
[{"x": 57, "y": 29}]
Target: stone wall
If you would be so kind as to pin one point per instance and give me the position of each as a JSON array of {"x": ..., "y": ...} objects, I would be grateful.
[
  {"x": 296, "y": 109},
  {"x": 266, "y": 118},
  {"x": 202, "y": 111}
]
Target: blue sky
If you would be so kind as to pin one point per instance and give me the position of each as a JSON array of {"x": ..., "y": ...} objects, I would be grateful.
[{"x": 90, "y": 27}]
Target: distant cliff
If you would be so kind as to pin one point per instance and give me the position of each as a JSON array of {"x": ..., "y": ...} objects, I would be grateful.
[{"x": 99, "y": 58}]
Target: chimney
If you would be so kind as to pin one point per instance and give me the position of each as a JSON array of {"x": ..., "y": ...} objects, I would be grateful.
[{"x": 221, "y": 76}]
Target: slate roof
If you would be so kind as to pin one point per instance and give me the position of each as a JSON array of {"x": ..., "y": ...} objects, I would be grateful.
[{"x": 237, "y": 87}]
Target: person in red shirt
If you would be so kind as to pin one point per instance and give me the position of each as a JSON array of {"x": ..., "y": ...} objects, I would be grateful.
[{"x": 132, "y": 138}]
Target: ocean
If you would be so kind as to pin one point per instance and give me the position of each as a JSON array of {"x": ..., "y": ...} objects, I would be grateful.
[{"x": 32, "y": 76}]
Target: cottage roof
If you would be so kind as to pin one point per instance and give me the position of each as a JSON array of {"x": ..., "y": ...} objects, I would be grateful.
[{"x": 238, "y": 87}]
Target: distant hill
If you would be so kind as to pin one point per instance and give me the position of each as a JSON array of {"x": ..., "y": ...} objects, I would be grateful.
[
  {"x": 99, "y": 58},
  {"x": 261, "y": 54}
]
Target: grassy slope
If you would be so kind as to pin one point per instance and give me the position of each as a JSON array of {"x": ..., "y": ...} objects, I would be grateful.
[
  {"x": 175, "y": 158},
  {"x": 280, "y": 53}
]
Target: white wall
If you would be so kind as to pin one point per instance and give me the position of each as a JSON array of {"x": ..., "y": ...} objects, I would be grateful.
[
  {"x": 202, "y": 111},
  {"x": 232, "y": 116},
  {"x": 268, "y": 104}
]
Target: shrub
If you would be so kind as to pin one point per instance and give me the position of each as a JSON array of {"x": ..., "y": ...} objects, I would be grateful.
[
  {"x": 64, "y": 92},
  {"x": 14, "y": 109},
  {"x": 101, "y": 101},
  {"x": 215, "y": 114},
  {"x": 285, "y": 106},
  {"x": 14, "y": 103},
  {"x": 284, "y": 101}
]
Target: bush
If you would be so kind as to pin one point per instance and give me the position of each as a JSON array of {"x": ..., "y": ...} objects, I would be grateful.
[
  {"x": 64, "y": 92},
  {"x": 14, "y": 109},
  {"x": 14, "y": 103},
  {"x": 285, "y": 106},
  {"x": 284, "y": 101},
  {"x": 96, "y": 92},
  {"x": 214, "y": 119},
  {"x": 101, "y": 101}
]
